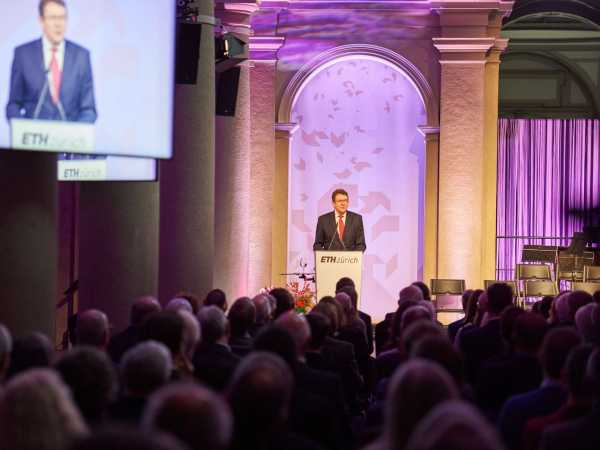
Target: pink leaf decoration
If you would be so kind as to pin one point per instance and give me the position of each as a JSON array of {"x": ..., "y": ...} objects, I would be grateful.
[
  {"x": 316, "y": 97},
  {"x": 373, "y": 200},
  {"x": 349, "y": 93},
  {"x": 338, "y": 141},
  {"x": 321, "y": 134},
  {"x": 310, "y": 139},
  {"x": 348, "y": 84},
  {"x": 342, "y": 175},
  {"x": 300, "y": 165},
  {"x": 358, "y": 129},
  {"x": 330, "y": 116},
  {"x": 377, "y": 151},
  {"x": 387, "y": 108},
  {"x": 320, "y": 157},
  {"x": 303, "y": 197},
  {"x": 385, "y": 224},
  {"x": 398, "y": 97},
  {"x": 360, "y": 166},
  {"x": 358, "y": 92}
]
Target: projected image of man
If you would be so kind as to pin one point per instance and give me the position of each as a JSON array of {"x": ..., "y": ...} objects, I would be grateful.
[{"x": 51, "y": 78}]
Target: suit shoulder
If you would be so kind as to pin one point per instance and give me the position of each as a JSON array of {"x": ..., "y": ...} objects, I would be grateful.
[
  {"x": 73, "y": 47},
  {"x": 353, "y": 214},
  {"x": 28, "y": 46},
  {"x": 325, "y": 216}
]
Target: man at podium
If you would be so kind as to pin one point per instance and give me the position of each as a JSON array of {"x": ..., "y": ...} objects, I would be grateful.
[{"x": 340, "y": 229}]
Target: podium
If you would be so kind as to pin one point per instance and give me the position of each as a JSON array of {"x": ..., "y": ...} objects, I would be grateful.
[
  {"x": 52, "y": 136},
  {"x": 331, "y": 265}
]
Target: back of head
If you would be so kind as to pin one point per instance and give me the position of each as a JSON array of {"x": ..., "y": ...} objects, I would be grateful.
[
  {"x": 37, "y": 413},
  {"x": 278, "y": 341},
  {"x": 414, "y": 314},
  {"x": 284, "y": 301},
  {"x": 262, "y": 305},
  {"x": 464, "y": 299},
  {"x": 577, "y": 299},
  {"x": 145, "y": 367},
  {"x": 557, "y": 344},
  {"x": 192, "y": 299},
  {"x": 125, "y": 438},
  {"x": 349, "y": 312},
  {"x": 543, "y": 306},
  {"x": 454, "y": 425},
  {"x": 424, "y": 289},
  {"x": 528, "y": 332},
  {"x": 194, "y": 414},
  {"x": 343, "y": 282},
  {"x": 166, "y": 327},
  {"x": 410, "y": 293},
  {"x": 419, "y": 330},
  {"x": 217, "y": 298},
  {"x": 179, "y": 303},
  {"x": 507, "y": 321},
  {"x": 440, "y": 350},
  {"x": 90, "y": 375},
  {"x": 92, "y": 328},
  {"x": 351, "y": 292},
  {"x": 142, "y": 307},
  {"x": 191, "y": 332},
  {"x": 499, "y": 297},
  {"x": 259, "y": 394},
  {"x": 242, "y": 315},
  {"x": 330, "y": 311},
  {"x": 587, "y": 321},
  {"x": 339, "y": 311},
  {"x": 575, "y": 369},
  {"x": 32, "y": 350},
  {"x": 396, "y": 325},
  {"x": 320, "y": 328},
  {"x": 297, "y": 326},
  {"x": 422, "y": 385},
  {"x": 213, "y": 323}
]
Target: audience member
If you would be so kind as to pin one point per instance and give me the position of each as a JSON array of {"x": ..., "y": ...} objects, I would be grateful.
[
  {"x": 216, "y": 297},
  {"x": 191, "y": 339},
  {"x": 242, "y": 316},
  {"x": 141, "y": 308},
  {"x": 192, "y": 299},
  {"x": 214, "y": 361},
  {"x": 37, "y": 413},
  {"x": 5, "y": 351},
  {"x": 168, "y": 328},
  {"x": 193, "y": 414},
  {"x": 179, "y": 304},
  {"x": 546, "y": 399},
  {"x": 543, "y": 306},
  {"x": 349, "y": 288},
  {"x": 90, "y": 375},
  {"x": 93, "y": 329},
  {"x": 262, "y": 305},
  {"x": 587, "y": 322},
  {"x": 284, "y": 301},
  {"x": 125, "y": 438},
  {"x": 32, "y": 350},
  {"x": 454, "y": 425},
  {"x": 424, "y": 290},
  {"x": 144, "y": 368}
]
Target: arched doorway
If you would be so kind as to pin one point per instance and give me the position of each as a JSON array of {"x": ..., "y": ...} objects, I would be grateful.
[{"x": 358, "y": 118}]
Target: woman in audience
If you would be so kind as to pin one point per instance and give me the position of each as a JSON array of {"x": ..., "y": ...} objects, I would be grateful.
[{"x": 37, "y": 413}]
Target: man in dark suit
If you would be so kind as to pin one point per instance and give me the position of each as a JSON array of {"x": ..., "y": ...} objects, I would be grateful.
[
  {"x": 340, "y": 229},
  {"x": 51, "y": 77}
]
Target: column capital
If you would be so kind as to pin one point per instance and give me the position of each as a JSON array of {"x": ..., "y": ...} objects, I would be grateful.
[
  {"x": 496, "y": 51},
  {"x": 265, "y": 48},
  {"x": 431, "y": 134},
  {"x": 285, "y": 130},
  {"x": 463, "y": 50},
  {"x": 236, "y": 15}
]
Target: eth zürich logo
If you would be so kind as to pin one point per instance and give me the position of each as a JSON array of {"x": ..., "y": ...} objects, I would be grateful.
[{"x": 339, "y": 259}]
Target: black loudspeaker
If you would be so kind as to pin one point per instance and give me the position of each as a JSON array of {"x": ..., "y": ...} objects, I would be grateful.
[
  {"x": 187, "y": 52},
  {"x": 227, "y": 90}
]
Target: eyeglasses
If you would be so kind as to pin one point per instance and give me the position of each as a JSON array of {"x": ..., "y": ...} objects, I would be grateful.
[
  {"x": 342, "y": 201},
  {"x": 61, "y": 18}
]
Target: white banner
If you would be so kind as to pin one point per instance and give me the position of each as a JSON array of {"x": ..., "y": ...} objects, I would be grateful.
[{"x": 52, "y": 136}]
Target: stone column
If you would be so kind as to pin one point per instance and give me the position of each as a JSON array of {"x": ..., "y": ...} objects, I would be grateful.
[
  {"x": 283, "y": 142},
  {"x": 234, "y": 204},
  {"x": 490, "y": 159},
  {"x": 461, "y": 165},
  {"x": 430, "y": 229},
  {"x": 186, "y": 252},
  {"x": 263, "y": 54},
  {"x": 28, "y": 242}
]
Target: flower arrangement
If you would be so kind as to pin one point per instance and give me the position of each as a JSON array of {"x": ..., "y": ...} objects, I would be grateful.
[{"x": 304, "y": 296}]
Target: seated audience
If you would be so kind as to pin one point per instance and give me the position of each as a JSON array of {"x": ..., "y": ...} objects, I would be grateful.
[
  {"x": 347, "y": 285},
  {"x": 168, "y": 328},
  {"x": 583, "y": 433},
  {"x": 124, "y": 438},
  {"x": 179, "y": 304},
  {"x": 242, "y": 315},
  {"x": 92, "y": 379},
  {"x": 587, "y": 322},
  {"x": 121, "y": 342},
  {"x": 543, "y": 306},
  {"x": 578, "y": 404},
  {"x": 191, "y": 339},
  {"x": 195, "y": 415},
  {"x": 143, "y": 369},
  {"x": 37, "y": 413},
  {"x": 5, "y": 351},
  {"x": 214, "y": 361},
  {"x": 262, "y": 305},
  {"x": 284, "y": 301},
  {"x": 546, "y": 399},
  {"x": 92, "y": 329},
  {"x": 216, "y": 297}
]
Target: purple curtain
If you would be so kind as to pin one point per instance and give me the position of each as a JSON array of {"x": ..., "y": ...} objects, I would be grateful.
[{"x": 546, "y": 169}]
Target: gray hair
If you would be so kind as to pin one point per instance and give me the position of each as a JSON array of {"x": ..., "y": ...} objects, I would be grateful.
[
  {"x": 454, "y": 424},
  {"x": 92, "y": 328},
  {"x": 212, "y": 322},
  {"x": 179, "y": 304},
  {"x": 410, "y": 293},
  {"x": 170, "y": 408},
  {"x": 37, "y": 413},
  {"x": 146, "y": 367},
  {"x": 297, "y": 326},
  {"x": 587, "y": 322},
  {"x": 263, "y": 308}
]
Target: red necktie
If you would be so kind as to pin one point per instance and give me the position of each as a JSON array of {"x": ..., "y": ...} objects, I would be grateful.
[
  {"x": 56, "y": 76},
  {"x": 341, "y": 227}
]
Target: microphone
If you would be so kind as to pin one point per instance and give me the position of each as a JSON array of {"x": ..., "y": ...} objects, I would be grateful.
[
  {"x": 332, "y": 238},
  {"x": 42, "y": 97}
]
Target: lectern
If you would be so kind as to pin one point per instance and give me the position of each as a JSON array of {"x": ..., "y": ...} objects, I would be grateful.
[
  {"x": 52, "y": 135},
  {"x": 331, "y": 265}
]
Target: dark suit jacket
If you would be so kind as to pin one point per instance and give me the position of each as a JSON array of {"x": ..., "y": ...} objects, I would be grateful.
[
  {"x": 326, "y": 237},
  {"x": 123, "y": 341},
  {"x": 28, "y": 76},
  {"x": 479, "y": 345},
  {"x": 519, "y": 409},
  {"x": 214, "y": 364},
  {"x": 366, "y": 318}
]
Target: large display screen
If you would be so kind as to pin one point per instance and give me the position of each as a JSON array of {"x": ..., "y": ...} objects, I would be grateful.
[{"x": 93, "y": 77}]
